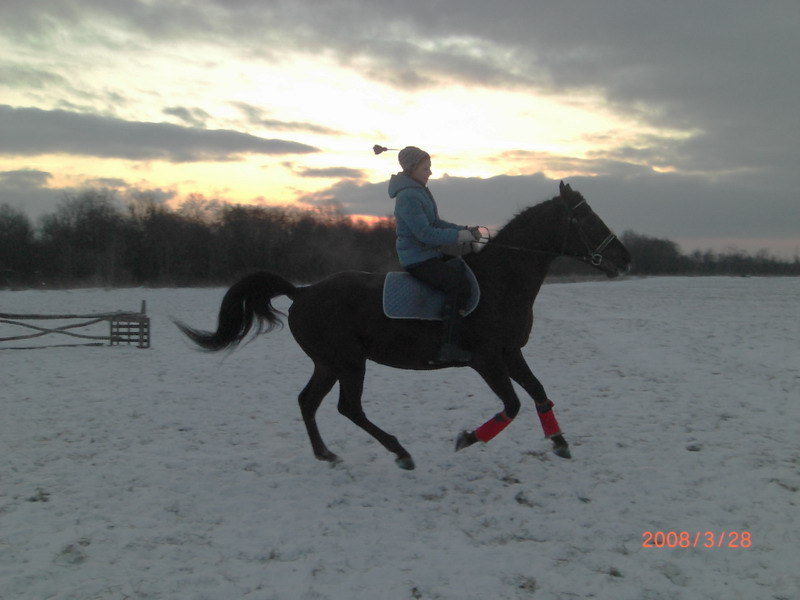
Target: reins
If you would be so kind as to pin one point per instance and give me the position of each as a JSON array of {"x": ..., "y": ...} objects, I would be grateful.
[
  {"x": 593, "y": 257},
  {"x": 528, "y": 250}
]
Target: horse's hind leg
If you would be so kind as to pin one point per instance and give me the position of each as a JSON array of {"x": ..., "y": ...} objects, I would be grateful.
[
  {"x": 351, "y": 386},
  {"x": 310, "y": 398},
  {"x": 520, "y": 372}
]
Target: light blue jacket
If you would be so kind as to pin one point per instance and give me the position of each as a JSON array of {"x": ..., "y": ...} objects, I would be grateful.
[{"x": 420, "y": 231}]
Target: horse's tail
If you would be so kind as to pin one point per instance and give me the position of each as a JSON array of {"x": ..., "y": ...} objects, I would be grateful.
[{"x": 248, "y": 300}]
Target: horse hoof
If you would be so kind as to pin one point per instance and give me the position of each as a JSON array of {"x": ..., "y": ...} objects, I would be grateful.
[
  {"x": 406, "y": 463},
  {"x": 562, "y": 451},
  {"x": 465, "y": 439},
  {"x": 329, "y": 457}
]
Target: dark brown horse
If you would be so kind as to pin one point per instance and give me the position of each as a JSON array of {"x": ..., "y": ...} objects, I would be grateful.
[{"x": 339, "y": 321}]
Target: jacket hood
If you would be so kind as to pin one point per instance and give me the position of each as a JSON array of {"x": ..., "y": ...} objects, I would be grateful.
[{"x": 401, "y": 181}]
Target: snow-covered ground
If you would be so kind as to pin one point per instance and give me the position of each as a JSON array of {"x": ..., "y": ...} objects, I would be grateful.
[{"x": 170, "y": 473}]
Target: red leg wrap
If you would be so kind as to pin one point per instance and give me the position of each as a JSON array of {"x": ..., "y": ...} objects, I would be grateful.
[
  {"x": 549, "y": 423},
  {"x": 492, "y": 427}
]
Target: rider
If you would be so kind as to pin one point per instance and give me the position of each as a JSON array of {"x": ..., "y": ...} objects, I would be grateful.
[{"x": 420, "y": 233}]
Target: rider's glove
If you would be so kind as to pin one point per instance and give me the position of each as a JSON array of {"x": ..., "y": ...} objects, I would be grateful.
[{"x": 465, "y": 235}]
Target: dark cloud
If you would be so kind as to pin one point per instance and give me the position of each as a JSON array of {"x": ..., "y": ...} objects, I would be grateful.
[
  {"x": 107, "y": 182},
  {"x": 259, "y": 117},
  {"x": 622, "y": 162},
  {"x": 24, "y": 178},
  {"x": 678, "y": 207},
  {"x": 28, "y": 191},
  {"x": 30, "y": 131},
  {"x": 727, "y": 71},
  {"x": 194, "y": 117},
  {"x": 25, "y": 77},
  {"x": 336, "y": 172},
  {"x": 24, "y": 189}
]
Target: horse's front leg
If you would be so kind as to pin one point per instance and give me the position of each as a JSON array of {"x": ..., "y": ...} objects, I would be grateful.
[
  {"x": 520, "y": 372},
  {"x": 495, "y": 373}
]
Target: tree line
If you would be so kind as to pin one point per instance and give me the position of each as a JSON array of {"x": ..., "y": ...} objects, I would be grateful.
[
  {"x": 93, "y": 239},
  {"x": 658, "y": 256}
]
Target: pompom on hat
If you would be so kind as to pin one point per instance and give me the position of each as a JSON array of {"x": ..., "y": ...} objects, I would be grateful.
[{"x": 409, "y": 157}]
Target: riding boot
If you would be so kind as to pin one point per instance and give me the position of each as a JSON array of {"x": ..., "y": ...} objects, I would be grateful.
[{"x": 451, "y": 351}]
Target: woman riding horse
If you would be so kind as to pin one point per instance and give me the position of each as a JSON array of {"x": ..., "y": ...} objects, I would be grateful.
[
  {"x": 420, "y": 234},
  {"x": 340, "y": 324}
]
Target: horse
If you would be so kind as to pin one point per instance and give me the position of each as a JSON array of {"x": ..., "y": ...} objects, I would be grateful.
[{"x": 339, "y": 321}]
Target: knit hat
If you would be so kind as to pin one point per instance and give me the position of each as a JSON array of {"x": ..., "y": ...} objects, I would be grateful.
[{"x": 410, "y": 157}]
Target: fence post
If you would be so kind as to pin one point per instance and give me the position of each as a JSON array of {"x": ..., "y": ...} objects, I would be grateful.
[{"x": 130, "y": 327}]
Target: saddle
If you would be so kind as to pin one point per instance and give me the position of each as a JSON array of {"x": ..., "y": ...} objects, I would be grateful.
[{"x": 406, "y": 297}]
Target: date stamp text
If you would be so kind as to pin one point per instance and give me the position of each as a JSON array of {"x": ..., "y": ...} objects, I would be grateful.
[{"x": 696, "y": 539}]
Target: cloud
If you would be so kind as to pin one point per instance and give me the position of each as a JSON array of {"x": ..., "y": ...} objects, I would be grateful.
[
  {"x": 24, "y": 178},
  {"x": 258, "y": 116},
  {"x": 31, "y": 131},
  {"x": 619, "y": 162},
  {"x": 194, "y": 117},
  {"x": 725, "y": 70},
  {"x": 28, "y": 191},
  {"x": 337, "y": 172},
  {"x": 114, "y": 183},
  {"x": 27, "y": 77},
  {"x": 25, "y": 190},
  {"x": 678, "y": 207}
]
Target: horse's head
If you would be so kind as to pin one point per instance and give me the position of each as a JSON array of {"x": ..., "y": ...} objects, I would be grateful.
[{"x": 587, "y": 238}]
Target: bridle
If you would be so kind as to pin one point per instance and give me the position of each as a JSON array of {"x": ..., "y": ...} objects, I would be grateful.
[{"x": 592, "y": 256}]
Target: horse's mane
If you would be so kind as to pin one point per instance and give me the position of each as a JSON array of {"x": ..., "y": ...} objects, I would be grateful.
[{"x": 528, "y": 220}]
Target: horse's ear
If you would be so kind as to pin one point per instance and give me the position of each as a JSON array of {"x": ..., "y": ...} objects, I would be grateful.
[{"x": 562, "y": 189}]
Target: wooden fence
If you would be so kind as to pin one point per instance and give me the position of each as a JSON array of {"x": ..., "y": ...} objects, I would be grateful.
[{"x": 123, "y": 328}]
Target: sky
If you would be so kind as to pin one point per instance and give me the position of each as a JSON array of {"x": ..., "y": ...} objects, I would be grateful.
[{"x": 675, "y": 119}]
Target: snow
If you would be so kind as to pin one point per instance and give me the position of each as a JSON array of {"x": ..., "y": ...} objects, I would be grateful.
[{"x": 170, "y": 473}]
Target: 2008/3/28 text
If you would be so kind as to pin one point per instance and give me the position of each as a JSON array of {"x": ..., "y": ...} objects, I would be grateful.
[{"x": 697, "y": 539}]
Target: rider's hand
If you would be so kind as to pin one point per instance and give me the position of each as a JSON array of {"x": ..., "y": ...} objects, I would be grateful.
[
  {"x": 465, "y": 235},
  {"x": 476, "y": 232}
]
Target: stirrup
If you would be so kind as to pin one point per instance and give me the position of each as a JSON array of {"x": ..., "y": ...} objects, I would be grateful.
[{"x": 451, "y": 353}]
